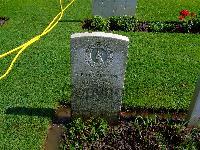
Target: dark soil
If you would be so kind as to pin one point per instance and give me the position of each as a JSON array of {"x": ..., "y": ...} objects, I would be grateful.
[
  {"x": 138, "y": 129},
  {"x": 138, "y": 135},
  {"x": 56, "y": 129},
  {"x": 54, "y": 137},
  {"x": 129, "y": 136}
]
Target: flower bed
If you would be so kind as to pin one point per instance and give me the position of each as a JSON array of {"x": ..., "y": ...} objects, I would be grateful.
[
  {"x": 139, "y": 133},
  {"x": 188, "y": 23}
]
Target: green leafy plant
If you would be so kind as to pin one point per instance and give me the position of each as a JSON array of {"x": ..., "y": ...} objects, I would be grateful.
[
  {"x": 140, "y": 133},
  {"x": 156, "y": 26},
  {"x": 97, "y": 23},
  {"x": 86, "y": 23},
  {"x": 123, "y": 23},
  {"x": 188, "y": 23},
  {"x": 168, "y": 27},
  {"x": 80, "y": 131}
]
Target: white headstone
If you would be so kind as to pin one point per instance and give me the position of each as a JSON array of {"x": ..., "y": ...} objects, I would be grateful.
[
  {"x": 108, "y": 8},
  {"x": 98, "y": 62},
  {"x": 194, "y": 110}
]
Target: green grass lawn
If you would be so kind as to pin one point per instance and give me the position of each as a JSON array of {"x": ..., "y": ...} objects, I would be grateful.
[
  {"x": 164, "y": 10},
  {"x": 161, "y": 72}
]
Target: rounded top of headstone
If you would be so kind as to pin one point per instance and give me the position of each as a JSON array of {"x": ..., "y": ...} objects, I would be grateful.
[{"x": 100, "y": 34}]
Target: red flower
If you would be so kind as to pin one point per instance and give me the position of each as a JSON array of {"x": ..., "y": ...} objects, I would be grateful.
[
  {"x": 184, "y": 13},
  {"x": 181, "y": 18}
]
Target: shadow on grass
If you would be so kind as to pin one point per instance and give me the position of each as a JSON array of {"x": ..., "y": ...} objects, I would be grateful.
[
  {"x": 40, "y": 112},
  {"x": 61, "y": 115}
]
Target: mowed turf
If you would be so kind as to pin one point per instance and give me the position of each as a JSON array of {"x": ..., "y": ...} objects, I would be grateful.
[
  {"x": 162, "y": 68},
  {"x": 41, "y": 77},
  {"x": 164, "y": 10}
]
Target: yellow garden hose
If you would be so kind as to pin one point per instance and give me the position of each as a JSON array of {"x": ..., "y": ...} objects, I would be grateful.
[{"x": 22, "y": 47}]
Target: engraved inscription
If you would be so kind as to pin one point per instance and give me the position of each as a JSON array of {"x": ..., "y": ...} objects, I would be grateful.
[
  {"x": 101, "y": 75},
  {"x": 99, "y": 55},
  {"x": 98, "y": 66},
  {"x": 96, "y": 93}
]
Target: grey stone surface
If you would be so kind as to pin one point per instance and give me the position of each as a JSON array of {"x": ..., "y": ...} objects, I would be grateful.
[
  {"x": 194, "y": 110},
  {"x": 107, "y": 8},
  {"x": 98, "y": 63}
]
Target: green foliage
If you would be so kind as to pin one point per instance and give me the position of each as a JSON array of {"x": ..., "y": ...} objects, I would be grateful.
[
  {"x": 156, "y": 26},
  {"x": 162, "y": 26},
  {"x": 97, "y": 23},
  {"x": 169, "y": 27},
  {"x": 123, "y": 23},
  {"x": 151, "y": 133},
  {"x": 130, "y": 24},
  {"x": 114, "y": 23},
  {"x": 194, "y": 25},
  {"x": 79, "y": 131},
  {"x": 100, "y": 24},
  {"x": 86, "y": 24}
]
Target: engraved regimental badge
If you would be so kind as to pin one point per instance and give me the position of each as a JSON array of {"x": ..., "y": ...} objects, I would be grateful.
[{"x": 98, "y": 55}]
